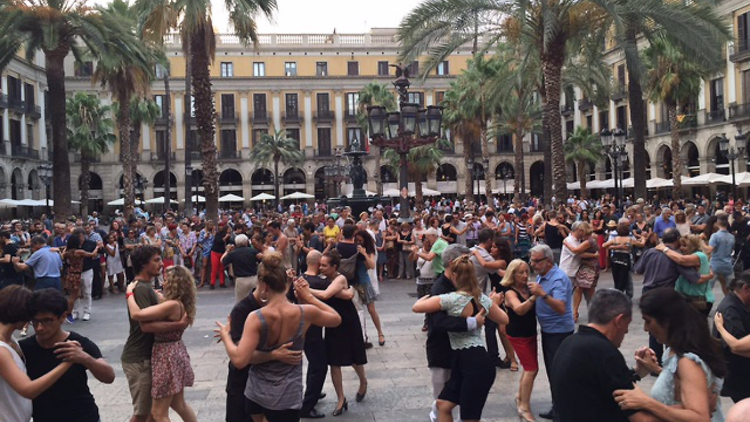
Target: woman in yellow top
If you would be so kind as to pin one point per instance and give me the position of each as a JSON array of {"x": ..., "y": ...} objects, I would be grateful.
[{"x": 331, "y": 231}]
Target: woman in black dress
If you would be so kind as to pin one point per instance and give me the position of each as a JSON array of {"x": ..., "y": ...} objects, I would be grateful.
[{"x": 345, "y": 345}]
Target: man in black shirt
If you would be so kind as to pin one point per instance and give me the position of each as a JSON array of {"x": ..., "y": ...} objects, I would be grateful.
[
  {"x": 588, "y": 368},
  {"x": 8, "y": 274},
  {"x": 735, "y": 309},
  {"x": 69, "y": 399},
  {"x": 244, "y": 262},
  {"x": 439, "y": 352}
]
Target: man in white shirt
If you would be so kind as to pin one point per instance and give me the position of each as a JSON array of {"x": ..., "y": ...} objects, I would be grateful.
[
  {"x": 460, "y": 225},
  {"x": 569, "y": 261}
]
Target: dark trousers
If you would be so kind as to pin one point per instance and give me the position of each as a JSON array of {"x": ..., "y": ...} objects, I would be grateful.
[
  {"x": 550, "y": 343},
  {"x": 236, "y": 408},
  {"x": 490, "y": 333},
  {"x": 622, "y": 278},
  {"x": 97, "y": 284},
  {"x": 317, "y": 369}
]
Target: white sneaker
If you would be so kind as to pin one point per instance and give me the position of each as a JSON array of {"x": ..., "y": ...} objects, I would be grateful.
[{"x": 86, "y": 316}]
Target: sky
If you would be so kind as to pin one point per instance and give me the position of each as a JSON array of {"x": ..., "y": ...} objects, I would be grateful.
[{"x": 323, "y": 16}]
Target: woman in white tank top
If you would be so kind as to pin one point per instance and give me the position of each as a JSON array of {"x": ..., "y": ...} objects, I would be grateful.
[{"x": 16, "y": 389}]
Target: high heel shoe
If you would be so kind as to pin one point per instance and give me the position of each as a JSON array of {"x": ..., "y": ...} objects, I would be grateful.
[
  {"x": 361, "y": 396},
  {"x": 381, "y": 342},
  {"x": 525, "y": 416},
  {"x": 341, "y": 409}
]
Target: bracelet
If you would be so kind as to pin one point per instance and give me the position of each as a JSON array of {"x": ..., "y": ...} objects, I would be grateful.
[{"x": 127, "y": 295}]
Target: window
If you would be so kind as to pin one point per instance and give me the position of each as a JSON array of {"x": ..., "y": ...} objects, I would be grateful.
[
  {"x": 621, "y": 75},
  {"x": 259, "y": 69},
  {"x": 383, "y": 69},
  {"x": 14, "y": 88},
  {"x": 324, "y": 141},
  {"x": 439, "y": 97},
  {"x": 353, "y": 133},
  {"x": 293, "y": 134},
  {"x": 227, "y": 106},
  {"x": 258, "y": 135},
  {"x": 227, "y": 69},
  {"x": 590, "y": 123},
  {"x": 159, "y": 100},
  {"x": 717, "y": 94},
  {"x": 505, "y": 143},
  {"x": 292, "y": 105},
  {"x": 15, "y": 132},
  {"x": 536, "y": 142},
  {"x": 321, "y": 69},
  {"x": 323, "y": 102},
  {"x": 160, "y": 71},
  {"x": 30, "y": 136},
  {"x": 443, "y": 69},
  {"x": 746, "y": 86},
  {"x": 743, "y": 33},
  {"x": 603, "y": 120},
  {"x": 290, "y": 68},
  {"x": 259, "y": 106},
  {"x": 569, "y": 127},
  {"x": 84, "y": 70},
  {"x": 228, "y": 141},
  {"x": 413, "y": 69},
  {"x": 621, "y": 116},
  {"x": 352, "y": 68},
  {"x": 29, "y": 97},
  {"x": 161, "y": 143},
  {"x": 416, "y": 98},
  {"x": 352, "y": 101}
]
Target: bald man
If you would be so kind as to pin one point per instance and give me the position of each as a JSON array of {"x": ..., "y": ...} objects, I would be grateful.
[{"x": 740, "y": 412}]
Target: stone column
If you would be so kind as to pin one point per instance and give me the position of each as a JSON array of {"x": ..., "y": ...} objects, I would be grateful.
[{"x": 339, "y": 107}]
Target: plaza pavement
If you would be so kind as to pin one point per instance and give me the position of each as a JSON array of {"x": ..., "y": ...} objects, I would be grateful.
[{"x": 399, "y": 381}]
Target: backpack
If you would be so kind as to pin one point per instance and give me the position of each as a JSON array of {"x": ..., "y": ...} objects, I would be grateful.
[{"x": 348, "y": 267}]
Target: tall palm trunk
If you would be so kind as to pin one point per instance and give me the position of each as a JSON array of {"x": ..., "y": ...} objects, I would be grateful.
[
  {"x": 276, "y": 181},
  {"x": 167, "y": 143},
  {"x": 552, "y": 64},
  {"x": 418, "y": 193},
  {"x": 637, "y": 115},
  {"x": 85, "y": 180},
  {"x": 676, "y": 156},
  {"x": 60, "y": 163},
  {"x": 379, "y": 180},
  {"x": 205, "y": 117},
  {"x": 582, "y": 179},
  {"x": 469, "y": 174},
  {"x": 519, "y": 182},
  {"x": 486, "y": 155},
  {"x": 188, "y": 146},
  {"x": 128, "y": 148},
  {"x": 546, "y": 146}
]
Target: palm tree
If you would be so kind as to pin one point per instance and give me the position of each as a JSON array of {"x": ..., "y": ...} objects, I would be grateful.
[
  {"x": 674, "y": 78},
  {"x": 461, "y": 122},
  {"x": 57, "y": 28},
  {"x": 277, "y": 148},
  {"x": 196, "y": 29},
  {"x": 374, "y": 94},
  {"x": 90, "y": 132},
  {"x": 143, "y": 110},
  {"x": 423, "y": 161},
  {"x": 127, "y": 79},
  {"x": 583, "y": 149}
]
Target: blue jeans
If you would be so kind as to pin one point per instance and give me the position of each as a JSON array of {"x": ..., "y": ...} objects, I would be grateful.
[{"x": 48, "y": 283}]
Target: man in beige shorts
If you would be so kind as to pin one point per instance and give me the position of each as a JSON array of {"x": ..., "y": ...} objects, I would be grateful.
[{"x": 136, "y": 355}]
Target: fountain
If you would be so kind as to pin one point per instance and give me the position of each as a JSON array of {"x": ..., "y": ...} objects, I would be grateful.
[{"x": 359, "y": 201}]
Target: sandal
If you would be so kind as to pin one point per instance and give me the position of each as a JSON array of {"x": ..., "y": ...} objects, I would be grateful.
[
  {"x": 514, "y": 366},
  {"x": 525, "y": 415}
]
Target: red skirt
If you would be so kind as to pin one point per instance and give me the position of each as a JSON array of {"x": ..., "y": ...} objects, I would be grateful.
[{"x": 526, "y": 349}]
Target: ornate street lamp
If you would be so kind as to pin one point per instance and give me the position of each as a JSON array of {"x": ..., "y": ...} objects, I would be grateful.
[
  {"x": 732, "y": 153},
  {"x": 45, "y": 175},
  {"x": 410, "y": 127},
  {"x": 615, "y": 146}
]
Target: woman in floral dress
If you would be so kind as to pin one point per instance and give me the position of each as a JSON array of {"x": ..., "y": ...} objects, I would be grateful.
[
  {"x": 587, "y": 276},
  {"x": 170, "y": 363}
]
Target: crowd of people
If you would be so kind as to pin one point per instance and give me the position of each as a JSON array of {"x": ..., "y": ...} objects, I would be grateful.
[{"x": 509, "y": 275}]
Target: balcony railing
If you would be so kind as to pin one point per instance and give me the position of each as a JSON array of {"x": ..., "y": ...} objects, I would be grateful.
[
  {"x": 163, "y": 120},
  {"x": 3, "y": 151},
  {"x": 3, "y": 101},
  {"x": 325, "y": 115},
  {"x": 17, "y": 104},
  {"x": 260, "y": 118},
  {"x": 228, "y": 118},
  {"x": 350, "y": 116},
  {"x": 585, "y": 104},
  {"x": 566, "y": 110},
  {"x": 715, "y": 116},
  {"x": 34, "y": 111},
  {"x": 619, "y": 92},
  {"x": 161, "y": 155},
  {"x": 230, "y": 154},
  {"x": 739, "y": 111},
  {"x": 739, "y": 51},
  {"x": 190, "y": 120},
  {"x": 324, "y": 152},
  {"x": 662, "y": 127},
  {"x": 291, "y": 117},
  {"x": 21, "y": 151}
]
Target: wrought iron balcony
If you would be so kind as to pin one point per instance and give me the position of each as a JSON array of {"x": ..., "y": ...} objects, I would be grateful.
[
  {"x": 33, "y": 111},
  {"x": 323, "y": 152},
  {"x": 662, "y": 127},
  {"x": 566, "y": 110},
  {"x": 739, "y": 111},
  {"x": 585, "y": 104},
  {"x": 324, "y": 116},
  {"x": 230, "y": 154},
  {"x": 161, "y": 156},
  {"x": 3, "y": 101},
  {"x": 292, "y": 117},
  {"x": 350, "y": 116},
  {"x": 739, "y": 51},
  {"x": 619, "y": 92},
  {"x": 228, "y": 118},
  {"x": 22, "y": 151},
  {"x": 259, "y": 118},
  {"x": 715, "y": 116},
  {"x": 17, "y": 104}
]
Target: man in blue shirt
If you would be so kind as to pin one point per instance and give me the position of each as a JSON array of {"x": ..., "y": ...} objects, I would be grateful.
[
  {"x": 554, "y": 293},
  {"x": 721, "y": 245},
  {"x": 664, "y": 223},
  {"x": 46, "y": 265}
]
